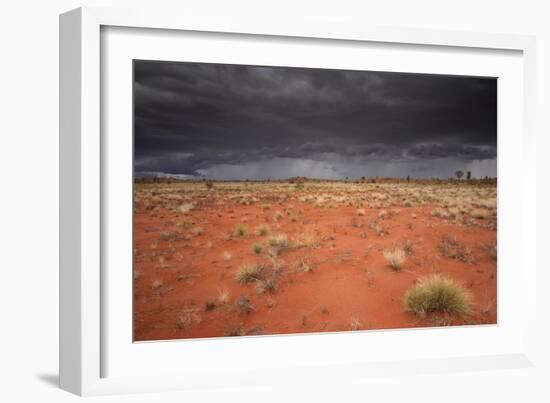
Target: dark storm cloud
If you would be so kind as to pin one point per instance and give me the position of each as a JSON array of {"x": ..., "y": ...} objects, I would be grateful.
[{"x": 219, "y": 120}]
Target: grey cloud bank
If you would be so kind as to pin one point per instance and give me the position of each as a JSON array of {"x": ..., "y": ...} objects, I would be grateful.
[{"x": 244, "y": 122}]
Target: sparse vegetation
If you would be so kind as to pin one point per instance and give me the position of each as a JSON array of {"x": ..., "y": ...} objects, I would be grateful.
[{"x": 312, "y": 244}]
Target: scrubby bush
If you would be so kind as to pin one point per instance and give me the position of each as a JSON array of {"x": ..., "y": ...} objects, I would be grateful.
[
  {"x": 257, "y": 248},
  {"x": 249, "y": 273},
  {"x": 436, "y": 293}
]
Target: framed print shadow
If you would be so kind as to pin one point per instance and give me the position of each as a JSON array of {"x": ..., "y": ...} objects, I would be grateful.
[{"x": 238, "y": 196}]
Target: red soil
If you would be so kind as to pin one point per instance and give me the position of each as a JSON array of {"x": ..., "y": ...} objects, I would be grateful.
[{"x": 351, "y": 280}]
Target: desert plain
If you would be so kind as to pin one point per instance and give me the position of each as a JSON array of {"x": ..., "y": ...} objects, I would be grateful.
[{"x": 238, "y": 258}]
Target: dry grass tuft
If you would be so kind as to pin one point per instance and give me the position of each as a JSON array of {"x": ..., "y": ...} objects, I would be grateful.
[
  {"x": 249, "y": 273},
  {"x": 223, "y": 296},
  {"x": 480, "y": 213},
  {"x": 439, "y": 212},
  {"x": 279, "y": 241},
  {"x": 378, "y": 228},
  {"x": 360, "y": 212},
  {"x": 449, "y": 247},
  {"x": 235, "y": 331},
  {"x": 209, "y": 304},
  {"x": 241, "y": 230},
  {"x": 186, "y": 208},
  {"x": 257, "y": 248},
  {"x": 436, "y": 293},
  {"x": 395, "y": 257},
  {"x": 156, "y": 284},
  {"x": 355, "y": 324},
  {"x": 198, "y": 231},
  {"x": 262, "y": 230},
  {"x": 188, "y": 317},
  {"x": 244, "y": 305},
  {"x": 267, "y": 285}
]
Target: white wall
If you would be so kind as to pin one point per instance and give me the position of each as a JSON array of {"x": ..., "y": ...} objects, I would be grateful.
[{"x": 28, "y": 201}]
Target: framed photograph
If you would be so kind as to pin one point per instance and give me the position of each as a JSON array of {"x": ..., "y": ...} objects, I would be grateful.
[{"x": 247, "y": 202}]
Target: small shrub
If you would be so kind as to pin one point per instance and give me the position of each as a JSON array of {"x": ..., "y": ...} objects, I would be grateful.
[
  {"x": 449, "y": 247},
  {"x": 266, "y": 206},
  {"x": 262, "y": 230},
  {"x": 436, "y": 293},
  {"x": 408, "y": 247},
  {"x": 378, "y": 228},
  {"x": 244, "y": 305},
  {"x": 223, "y": 296},
  {"x": 169, "y": 236},
  {"x": 304, "y": 265},
  {"x": 355, "y": 324},
  {"x": 268, "y": 285},
  {"x": 186, "y": 208},
  {"x": 241, "y": 230},
  {"x": 278, "y": 215},
  {"x": 257, "y": 248},
  {"x": 395, "y": 258},
  {"x": 480, "y": 213},
  {"x": 156, "y": 284},
  {"x": 439, "y": 212},
  {"x": 279, "y": 240},
  {"x": 209, "y": 304},
  {"x": 187, "y": 317},
  {"x": 235, "y": 331},
  {"x": 360, "y": 212},
  {"x": 186, "y": 224},
  {"x": 249, "y": 274}
]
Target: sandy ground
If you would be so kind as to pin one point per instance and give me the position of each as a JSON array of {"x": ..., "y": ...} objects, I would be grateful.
[{"x": 337, "y": 280}]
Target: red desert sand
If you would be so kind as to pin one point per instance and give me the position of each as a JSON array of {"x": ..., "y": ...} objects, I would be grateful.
[{"x": 249, "y": 258}]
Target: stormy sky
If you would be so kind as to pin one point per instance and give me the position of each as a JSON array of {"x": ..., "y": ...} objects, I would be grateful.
[{"x": 197, "y": 120}]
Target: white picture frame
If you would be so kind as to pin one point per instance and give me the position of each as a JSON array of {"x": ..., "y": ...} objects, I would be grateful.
[{"x": 86, "y": 346}]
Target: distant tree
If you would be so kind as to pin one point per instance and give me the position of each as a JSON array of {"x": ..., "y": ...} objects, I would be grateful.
[
  {"x": 459, "y": 174},
  {"x": 408, "y": 178},
  {"x": 469, "y": 175}
]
